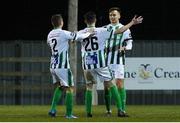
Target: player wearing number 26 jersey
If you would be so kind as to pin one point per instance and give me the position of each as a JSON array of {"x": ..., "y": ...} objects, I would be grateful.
[
  {"x": 92, "y": 48},
  {"x": 93, "y": 60}
]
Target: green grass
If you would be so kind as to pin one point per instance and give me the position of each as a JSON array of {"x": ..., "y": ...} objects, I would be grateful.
[{"x": 137, "y": 113}]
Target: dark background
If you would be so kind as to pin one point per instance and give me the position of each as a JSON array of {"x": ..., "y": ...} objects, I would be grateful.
[{"x": 30, "y": 20}]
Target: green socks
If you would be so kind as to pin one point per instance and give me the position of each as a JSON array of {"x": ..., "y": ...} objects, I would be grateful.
[
  {"x": 116, "y": 95},
  {"x": 56, "y": 97},
  {"x": 88, "y": 101},
  {"x": 68, "y": 100},
  {"x": 122, "y": 93},
  {"x": 69, "y": 103},
  {"x": 107, "y": 99}
]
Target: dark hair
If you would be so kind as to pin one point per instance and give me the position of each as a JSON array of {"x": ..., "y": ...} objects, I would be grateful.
[
  {"x": 90, "y": 17},
  {"x": 56, "y": 20},
  {"x": 115, "y": 8}
]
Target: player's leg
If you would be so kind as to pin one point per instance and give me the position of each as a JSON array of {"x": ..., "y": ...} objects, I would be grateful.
[
  {"x": 108, "y": 93},
  {"x": 122, "y": 92},
  {"x": 56, "y": 97},
  {"x": 106, "y": 76},
  {"x": 57, "y": 94},
  {"x": 115, "y": 95},
  {"x": 88, "y": 95},
  {"x": 119, "y": 75},
  {"x": 107, "y": 99},
  {"x": 69, "y": 103},
  {"x": 67, "y": 80},
  {"x": 88, "y": 99}
]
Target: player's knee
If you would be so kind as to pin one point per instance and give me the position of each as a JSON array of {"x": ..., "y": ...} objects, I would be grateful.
[
  {"x": 57, "y": 84},
  {"x": 89, "y": 86},
  {"x": 69, "y": 89},
  {"x": 105, "y": 85},
  {"x": 108, "y": 84},
  {"x": 119, "y": 83}
]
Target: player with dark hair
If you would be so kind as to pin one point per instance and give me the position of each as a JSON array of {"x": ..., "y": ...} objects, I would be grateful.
[
  {"x": 58, "y": 41},
  {"x": 93, "y": 58}
]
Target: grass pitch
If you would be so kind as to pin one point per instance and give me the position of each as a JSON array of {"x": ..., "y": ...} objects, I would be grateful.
[{"x": 138, "y": 113}]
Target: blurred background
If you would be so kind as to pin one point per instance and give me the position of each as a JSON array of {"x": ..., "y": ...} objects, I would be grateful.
[
  {"x": 29, "y": 19},
  {"x": 24, "y": 55}
]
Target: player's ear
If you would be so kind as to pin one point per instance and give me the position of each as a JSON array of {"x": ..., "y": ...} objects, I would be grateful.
[
  {"x": 62, "y": 23},
  {"x": 119, "y": 15},
  {"x": 85, "y": 21}
]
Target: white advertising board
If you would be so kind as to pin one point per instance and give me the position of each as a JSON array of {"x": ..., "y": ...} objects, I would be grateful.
[{"x": 151, "y": 73}]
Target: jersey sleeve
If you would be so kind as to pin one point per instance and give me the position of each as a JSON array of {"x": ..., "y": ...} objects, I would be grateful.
[
  {"x": 105, "y": 32},
  {"x": 70, "y": 35},
  {"x": 128, "y": 40},
  {"x": 82, "y": 35}
]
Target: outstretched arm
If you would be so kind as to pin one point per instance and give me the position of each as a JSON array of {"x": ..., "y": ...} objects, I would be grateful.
[{"x": 136, "y": 20}]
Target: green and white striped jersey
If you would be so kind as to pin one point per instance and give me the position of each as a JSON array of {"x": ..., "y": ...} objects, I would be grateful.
[
  {"x": 92, "y": 48},
  {"x": 113, "y": 44},
  {"x": 58, "y": 41}
]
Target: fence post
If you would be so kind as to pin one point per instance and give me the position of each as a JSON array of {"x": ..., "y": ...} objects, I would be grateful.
[{"x": 17, "y": 78}]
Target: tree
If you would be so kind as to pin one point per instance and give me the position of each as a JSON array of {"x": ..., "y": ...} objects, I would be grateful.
[{"x": 72, "y": 26}]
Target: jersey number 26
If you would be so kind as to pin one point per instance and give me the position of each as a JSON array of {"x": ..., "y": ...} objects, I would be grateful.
[{"x": 91, "y": 43}]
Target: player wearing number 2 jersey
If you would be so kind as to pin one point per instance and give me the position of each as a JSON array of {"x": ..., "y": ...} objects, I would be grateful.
[
  {"x": 58, "y": 40},
  {"x": 93, "y": 60}
]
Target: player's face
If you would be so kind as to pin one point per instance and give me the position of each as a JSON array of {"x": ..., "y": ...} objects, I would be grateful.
[{"x": 114, "y": 17}]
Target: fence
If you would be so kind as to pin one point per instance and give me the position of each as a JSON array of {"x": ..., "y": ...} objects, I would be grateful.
[{"x": 25, "y": 77}]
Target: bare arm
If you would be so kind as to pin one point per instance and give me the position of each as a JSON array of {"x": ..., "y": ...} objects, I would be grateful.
[{"x": 136, "y": 20}]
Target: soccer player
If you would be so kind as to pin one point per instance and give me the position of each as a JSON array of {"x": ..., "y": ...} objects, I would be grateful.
[
  {"x": 115, "y": 58},
  {"x": 93, "y": 59},
  {"x": 58, "y": 40}
]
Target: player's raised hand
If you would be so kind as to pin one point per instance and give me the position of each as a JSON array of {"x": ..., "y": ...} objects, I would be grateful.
[{"x": 137, "y": 20}]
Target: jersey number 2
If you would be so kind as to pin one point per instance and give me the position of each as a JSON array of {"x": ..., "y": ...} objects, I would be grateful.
[{"x": 54, "y": 41}]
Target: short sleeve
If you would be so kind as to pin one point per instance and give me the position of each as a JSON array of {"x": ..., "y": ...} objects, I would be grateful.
[
  {"x": 128, "y": 39},
  {"x": 105, "y": 32},
  {"x": 70, "y": 35}
]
